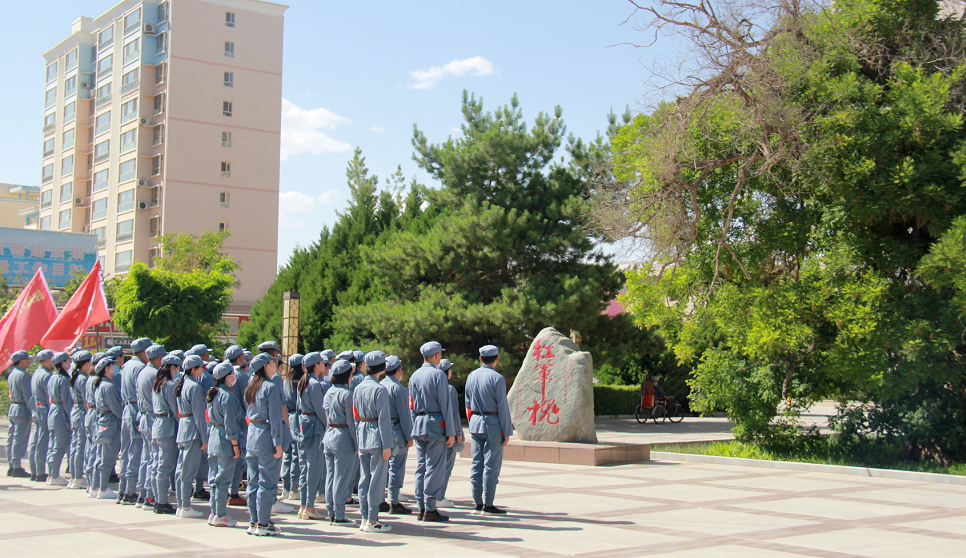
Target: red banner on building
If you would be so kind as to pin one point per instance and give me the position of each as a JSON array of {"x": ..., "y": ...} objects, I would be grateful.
[
  {"x": 86, "y": 308},
  {"x": 28, "y": 319}
]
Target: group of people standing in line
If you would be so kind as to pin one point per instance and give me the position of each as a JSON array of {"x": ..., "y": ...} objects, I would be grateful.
[{"x": 327, "y": 429}]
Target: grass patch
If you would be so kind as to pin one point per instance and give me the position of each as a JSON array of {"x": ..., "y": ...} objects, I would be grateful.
[{"x": 746, "y": 450}]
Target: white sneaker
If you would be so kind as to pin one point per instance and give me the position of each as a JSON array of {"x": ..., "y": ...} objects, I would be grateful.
[
  {"x": 80, "y": 484},
  {"x": 270, "y": 531},
  {"x": 279, "y": 507},
  {"x": 293, "y": 494},
  {"x": 284, "y": 495},
  {"x": 369, "y": 527},
  {"x": 71, "y": 483},
  {"x": 404, "y": 498},
  {"x": 211, "y": 519},
  {"x": 444, "y": 503},
  {"x": 56, "y": 481},
  {"x": 223, "y": 521},
  {"x": 92, "y": 493},
  {"x": 190, "y": 514},
  {"x": 365, "y": 523},
  {"x": 252, "y": 529},
  {"x": 320, "y": 499},
  {"x": 106, "y": 494}
]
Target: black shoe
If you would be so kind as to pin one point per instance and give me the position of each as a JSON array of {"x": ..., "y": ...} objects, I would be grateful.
[
  {"x": 342, "y": 523},
  {"x": 421, "y": 514},
  {"x": 120, "y": 497},
  {"x": 130, "y": 500},
  {"x": 140, "y": 501},
  {"x": 493, "y": 510},
  {"x": 149, "y": 505},
  {"x": 10, "y": 472},
  {"x": 435, "y": 516},
  {"x": 478, "y": 510},
  {"x": 201, "y": 495},
  {"x": 41, "y": 478},
  {"x": 399, "y": 509},
  {"x": 352, "y": 502},
  {"x": 164, "y": 509},
  {"x": 21, "y": 473},
  {"x": 384, "y": 507},
  {"x": 113, "y": 478}
]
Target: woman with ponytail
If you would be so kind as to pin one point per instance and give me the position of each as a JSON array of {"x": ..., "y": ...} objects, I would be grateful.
[
  {"x": 90, "y": 423},
  {"x": 164, "y": 430},
  {"x": 223, "y": 449},
  {"x": 311, "y": 423},
  {"x": 107, "y": 405},
  {"x": 192, "y": 433},
  {"x": 340, "y": 444},
  {"x": 78, "y": 438},
  {"x": 290, "y": 462},
  {"x": 58, "y": 418},
  {"x": 266, "y": 437}
]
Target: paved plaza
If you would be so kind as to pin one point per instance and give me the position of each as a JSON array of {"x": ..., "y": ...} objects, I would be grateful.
[{"x": 679, "y": 510}]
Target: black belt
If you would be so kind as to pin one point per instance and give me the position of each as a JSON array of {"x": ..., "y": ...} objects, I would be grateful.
[
  {"x": 105, "y": 412},
  {"x": 307, "y": 413},
  {"x": 487, "y": 412},
  {"x": 259, "y": 422},
  {"x": 367, "y": 419},
  {"x": 132, "y": 402},
  {"x": 160, "y": 414},
  {"x": 338, "y": 426},
  {"x": 395, "y": 420},
  {"x": 421, "y": 413},
  {"x": 18, "y": 402},
  {"x": 216, "y": 424}
]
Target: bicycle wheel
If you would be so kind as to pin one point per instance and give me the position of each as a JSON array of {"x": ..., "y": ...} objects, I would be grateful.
[
  {"x": 658, "y": 414},
  {"x": 675, "y": 413},
  {"x": 639, "y": 415}
]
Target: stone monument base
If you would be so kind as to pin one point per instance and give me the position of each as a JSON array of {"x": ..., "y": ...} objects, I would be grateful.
[{"x": 570, "y": 453}]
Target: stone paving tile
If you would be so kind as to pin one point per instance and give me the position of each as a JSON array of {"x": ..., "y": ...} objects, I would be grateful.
[
  {"x": 714, "y": 522},
  {"x": 876, "y": 543},
  {"x": 786, "y": 484},
  {"x": 826, "y": 508}
]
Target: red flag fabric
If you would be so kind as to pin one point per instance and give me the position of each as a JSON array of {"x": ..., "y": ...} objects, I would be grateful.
[
  {"x": 88, "y": 307},
  {"x": 28, "y": 319}
]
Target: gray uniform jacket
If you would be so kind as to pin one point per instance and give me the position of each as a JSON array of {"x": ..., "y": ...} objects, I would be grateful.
[
  {"x": 38, "y": 386},
  {"x": 191, "y": 412},
  {"x": 129, "y": 378},
  {"x": 454, "y": 405},
  {"x": 486, "y": 393},
  {"x": 311, "y": 404},
  {"x": 223, "y": 412},
  {"x": 18, "y": 387},
  {"x": 402, "y": 418},
  {"x": 371, "y": 401},
  {"x": 61, "y": 403},
  {"x": 90, "y": 394},
  {"x": 109, "y": 410},
  {"x": 267, "y": 407},
  {"x": 145, "y": 396},
  {"x": 164, "y": 404},
  {"x": 338, "y": 410},
  {"x": 429, "y": 393},
  {"x": 77, "y": 394},
  {"x": 356, "y": 379},
  {"x": 238, "y": 390}
]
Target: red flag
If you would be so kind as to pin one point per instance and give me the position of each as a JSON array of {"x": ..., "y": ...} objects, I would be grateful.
[
  {"x": 88, "y": 307},
  {"x": 28, "y": 319}
]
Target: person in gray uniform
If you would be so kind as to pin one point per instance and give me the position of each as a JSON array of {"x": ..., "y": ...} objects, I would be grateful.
[
  {"x": 90, "y": 421},
  {"x": 340, "y": 444},
  {"x": 131, "y": 442},
  {"x": 402, "y": 432},
  {"x": 237, "y": 356},
  {"x": 433, "y": 429},
  {"x": 359, "y": 358},
  {"x": 266, "y": 438},
  {"x": 83, "y": 367},
  {"x": 164, "y": 431},
  {"x": 374, "y": 431},
  {"x": 58, "y": 418},
  {"x": 446, "y": 366},
  {"x": 207, "y": 381},
  {"x": 290, "y": 461},
  {"x": 311, "y": 390},
  {"x": 490, "y": 427},
  {"x": 145, "y": 402},
  {"x": 192, "y": 433},
  {"x": 223, "y": 450},
  {"x": 18, "y": 433},
  {"x": 40, "y": 407},
  {"x": 107, "y": 437}
]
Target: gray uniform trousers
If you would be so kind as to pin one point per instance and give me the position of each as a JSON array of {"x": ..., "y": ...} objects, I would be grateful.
[
  {"x": 131, "y": 449},
  {"x": 90, "y": 455},
  {"x": 189, "y": 458},
  {"x": 339, "y": 465},
  {"x": 263, "y": 475},
  {"x": 487, "y": 462},
  {"x": 145, "y": 483},
  {"x": 291, "y": 463},
  {"x": 167, "y": 461},
  {"x": 311, "y": 470},
  {"x": 372, "y": 483},
  {"x": 59, "y": 445},
  {"x": 451, "y": 454},
  {"x": 397, "y": 464},
  {"x": 18, "y": 438},
  {"x": 39, "y": 442},
  {"x": 78, "y": 450},
  {"x": 107, "y": 449},
  {"x": 241, "y": 468},
  {"x": 221, "y": 471},
  {"x": 430, "y": 471}
]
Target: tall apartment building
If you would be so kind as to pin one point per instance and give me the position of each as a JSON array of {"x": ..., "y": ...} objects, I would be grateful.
[{"x": 164, "y": 117}]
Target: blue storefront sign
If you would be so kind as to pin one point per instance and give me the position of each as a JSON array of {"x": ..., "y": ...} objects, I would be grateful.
[{"x": 60, "y": 254}]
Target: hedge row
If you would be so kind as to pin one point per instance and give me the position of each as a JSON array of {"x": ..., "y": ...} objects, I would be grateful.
[
  {"x": 4, "y": 398},
  {"x": 616, "y": 400}
]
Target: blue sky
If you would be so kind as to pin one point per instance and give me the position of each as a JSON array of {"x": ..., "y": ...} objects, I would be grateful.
[{"x": 362, "y": 73}]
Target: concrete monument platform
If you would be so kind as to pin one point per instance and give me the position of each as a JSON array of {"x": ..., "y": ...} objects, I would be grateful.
[{"x": 566, "y": 453}]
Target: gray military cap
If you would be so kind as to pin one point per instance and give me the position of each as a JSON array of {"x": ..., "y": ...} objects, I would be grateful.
[
  {"x": 233, "y": 352},
  {"x": 347, "y": 356},
  {"x": 98, "y": 356},
  {"x": 295, "y": 360},
  {"x": 178, "y": 353},
  {"x": 266, "y": 346},
  {"x": 359, "y": 356},
  {"x": 248, "y": 356},
  {"x": 374, "y": 358},
  {"x": 45, "y": 354},
  {"x": 327, "y": 354},
  {"x": 210, "y": 366},
  {"x": 103, "y": 363},
  {"x": 392, "y": 363},
  {"x": 115, "y": 352},
  {"x": 82, "y": 356},
  {"x": 431, "y": 348},
  {"x": 445, "y": 364},
  {"x": 155, "y": 351},
  {"x": 489, "y": 351},
  {"x": 198, "y": 349},
  {"x": 60, "y": 357},
  {"x": 310, "y": 360},
  {"x": 223, "y": 369},
  {"x": 18, "y": 356},
  {"x": 141, "y": 344},
  {"x": 260, "y": 360},
  {"x": 192, "y": 361},
  {"x": 171, "y": 358},
  {"x": 341, "y": 367}
]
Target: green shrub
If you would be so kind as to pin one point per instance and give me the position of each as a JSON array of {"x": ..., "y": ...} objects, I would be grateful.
[
  {"x": 4, "y": 398},
  {"x": 616, "y": 400}
]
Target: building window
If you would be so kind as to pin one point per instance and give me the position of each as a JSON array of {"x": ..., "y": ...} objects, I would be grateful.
[
  {"x": 157, "y": 165},
  {"x": 229, "y": 48},
  {"x": 106, "y": 38},
  {"x": 47, "y": 175},
  {"x": 70, "y": 112},
  {"x": 229, "y": 79},
  {"x": 51, "y": 72},
  {"x": 159, "y": 103},
  {"x": 103, "y": 95},
  {"x": 99, "y": 209},
  {"x": 69, "y": 139},
  {"x": 226, "y": 139},
  {"x": 225, "y": 168},
  {"x": 155, "y": 196},
  {"x": 223, "y": 199},
  {"x": 102, "y": 123},
  {"x": 64, "y": 219},
  {"x": 101, "y": 233},
  {"x": 45, "y": 223},
  {"x": 159, "y": 73},
  {"x": 127, "y": 171},
  {"x": 222, "y": 226},
  {"x": 105, "y": 66},
  {"x": 125, "y": 231},
  {"x": 48, "y": 147},
  {"x": 130, "y": 81},
  {"x": 226, "y": 108},
  {"x": 153, "y": 257},
  {"x": 67, "y": 165},
  {"x": 100, "y": 180},
  {"x": 45, "y": 198},
  {"x": 132, "y": 51},
  {"x": 155, "y": 229},
  {"x": 66, "y": 192},
  {"x": 122, "y": 261},
  {"x": 129, "y": 140},
  {"x": 102, "y": 151},
  {"x": 71, "y": 60},
  {"x": 158, "y": 134},
  {"x": 50, "y": 98},
  {"x": 162, "y": 12},
  {"x": 50, "y": 122},
  {"x": 70, "y": 86},
  {"x": 129, "y": 111},
  {"x": 132, "y": 21},
  {"x": 125, "y": 201},
  {"x": 162, "y": 42},
  {"x": 229, "y": 19}
]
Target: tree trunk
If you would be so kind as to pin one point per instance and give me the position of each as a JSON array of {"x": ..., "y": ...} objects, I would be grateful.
[{"x": 789, "y": 370}]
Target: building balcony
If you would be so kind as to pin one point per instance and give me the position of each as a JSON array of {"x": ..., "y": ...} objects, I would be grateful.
[
  {"x": 121, "y": 268},
  {"x": 49, "y": 128},
  {"x": 45, "y": 205},
  {"x": 133, "y": 86},
  {"x": 102, "y": 157},
  {"x": 124, "y": 237},
  {"x": 103, "y": 100}
]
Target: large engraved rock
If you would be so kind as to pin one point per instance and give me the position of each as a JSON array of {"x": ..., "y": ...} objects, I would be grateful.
[{"x": 552, "y": 398}]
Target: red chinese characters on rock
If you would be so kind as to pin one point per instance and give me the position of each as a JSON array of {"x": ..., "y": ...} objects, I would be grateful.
[{"x": 545, "y": 410}]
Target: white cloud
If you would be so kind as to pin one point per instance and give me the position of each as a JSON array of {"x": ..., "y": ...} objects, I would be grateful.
[
  {"x": 377, "y": 128},
  {"x": 293, "y": 202},
  {"x": 427, "y": 79},
  {"x": 302, "y": 131}
]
